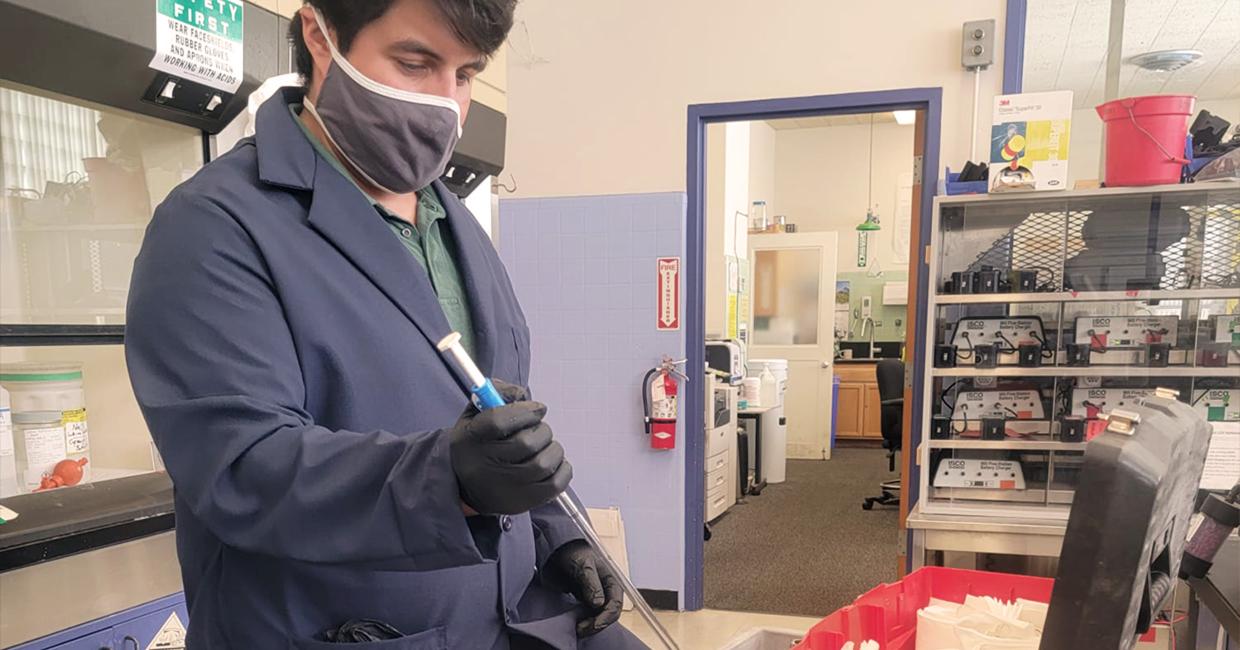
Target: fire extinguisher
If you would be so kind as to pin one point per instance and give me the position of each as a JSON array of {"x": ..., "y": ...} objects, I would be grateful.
[{"x": 659, "y": 403}]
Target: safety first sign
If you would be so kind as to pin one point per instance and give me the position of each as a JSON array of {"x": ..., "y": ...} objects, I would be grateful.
[
  {"x": 201, "y": 40},
  {"x": 669, "y": 293}
]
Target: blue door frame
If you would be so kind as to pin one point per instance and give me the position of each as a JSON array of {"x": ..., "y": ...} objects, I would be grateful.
[{"x": 928, "y": 99}]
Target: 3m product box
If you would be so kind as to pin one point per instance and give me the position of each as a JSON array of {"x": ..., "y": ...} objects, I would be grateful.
[{"x": 1029, "y": 141}]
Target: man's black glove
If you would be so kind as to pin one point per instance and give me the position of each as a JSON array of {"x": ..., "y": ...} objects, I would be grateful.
[
  {"x": 575, "y": 568},
  {"x": 505, "y": 459}
]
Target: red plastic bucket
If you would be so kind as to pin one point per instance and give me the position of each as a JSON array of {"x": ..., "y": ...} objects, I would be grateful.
[{"x": 1145, "y": 138}]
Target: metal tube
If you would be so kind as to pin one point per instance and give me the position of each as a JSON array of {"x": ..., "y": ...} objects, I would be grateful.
[
  {"x": 583, "y": 523},
  {"x": 454, "y": 354}
]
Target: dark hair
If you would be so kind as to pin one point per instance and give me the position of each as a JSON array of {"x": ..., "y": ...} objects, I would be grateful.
[{"x": 481, "y": 24}]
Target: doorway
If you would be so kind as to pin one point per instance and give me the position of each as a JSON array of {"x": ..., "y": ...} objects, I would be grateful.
[{"x": 794, "y": 319}]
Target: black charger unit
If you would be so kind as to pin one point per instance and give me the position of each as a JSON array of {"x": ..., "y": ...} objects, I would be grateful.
[
  {"x": 1072, "y": 428},
  {"x": 1023, "y": 280},
  {"x": 1077, "y": 355},
  {"x": 994, "y": 428},
  {"x": 944, "y": 356},
  {"x": 1029, "y": 355},
  {"x": 985, "y": 355},
  {"x": 1158, "y": 355},
  {"x": 1214, "y": 355},
  {"x": 986, "y": 281},
  {"x": 940, "y": 427}
]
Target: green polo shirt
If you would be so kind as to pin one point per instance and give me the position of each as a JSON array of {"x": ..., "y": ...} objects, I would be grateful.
[{"x": 430, "y": 244}]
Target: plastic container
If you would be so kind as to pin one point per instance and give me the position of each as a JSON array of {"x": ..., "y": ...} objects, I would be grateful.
[
  {"x": 954, "y": 186},
  {"x": 751, "y": 388},
  {"x": 47, "y": 387},
  {"x": 764, "y": 639},
  {"x": 8, "y": 452},
  {"x": 757, "y": 217},
  {"x": 39, "y": 441},
  {"x": 888, "y": 613},
  {"x": 768, "y": 394},
  {"x": 1145, "y": 139},
  {"x": 779, "y": 368}
]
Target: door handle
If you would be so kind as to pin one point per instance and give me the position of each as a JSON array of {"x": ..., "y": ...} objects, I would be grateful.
[{"x": 826, "y": 364}]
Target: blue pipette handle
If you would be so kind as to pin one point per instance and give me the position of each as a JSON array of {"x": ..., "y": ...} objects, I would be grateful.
[{"x": 488, "y": 397}]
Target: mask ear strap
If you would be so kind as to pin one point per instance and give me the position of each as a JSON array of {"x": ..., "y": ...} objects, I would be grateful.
[{"x": 318, "y": 19}]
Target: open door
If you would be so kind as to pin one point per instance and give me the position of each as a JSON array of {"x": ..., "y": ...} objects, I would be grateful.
[{"x": 793, "y": 318}]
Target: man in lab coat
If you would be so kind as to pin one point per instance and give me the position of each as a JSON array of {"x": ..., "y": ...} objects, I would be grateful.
[{"x": 281, "y": 334}]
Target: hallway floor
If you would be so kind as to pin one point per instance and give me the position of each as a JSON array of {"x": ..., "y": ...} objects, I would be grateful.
[{"x": 805, "y": 547}]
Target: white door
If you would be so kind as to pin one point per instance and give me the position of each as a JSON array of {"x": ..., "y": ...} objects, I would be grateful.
[{"x": 793, "y": 318}]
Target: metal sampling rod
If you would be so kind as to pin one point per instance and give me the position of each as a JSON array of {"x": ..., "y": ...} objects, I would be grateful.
[{"x": 487, "y": 397}]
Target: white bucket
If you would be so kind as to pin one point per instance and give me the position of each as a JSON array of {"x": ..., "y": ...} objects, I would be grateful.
[{"x": 44, "y": 387}]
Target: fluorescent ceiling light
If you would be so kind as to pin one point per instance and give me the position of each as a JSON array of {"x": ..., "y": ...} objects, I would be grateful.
[{"x": 904, "y": 118}]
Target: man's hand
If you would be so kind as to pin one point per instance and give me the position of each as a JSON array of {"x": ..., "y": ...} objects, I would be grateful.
[
  {"x": 505, "y": 459},
  {"x": 576, "y": 569}
]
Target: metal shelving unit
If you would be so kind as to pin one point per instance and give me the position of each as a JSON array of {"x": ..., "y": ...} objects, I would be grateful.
[
  {"x": 1087, "y": 371},
  {"x": 1193, "y": 274}
]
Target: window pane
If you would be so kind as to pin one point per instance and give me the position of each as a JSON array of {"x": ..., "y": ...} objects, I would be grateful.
[
  {"x": 786, "y": 296},
  {"x": 79, "y": 185}
]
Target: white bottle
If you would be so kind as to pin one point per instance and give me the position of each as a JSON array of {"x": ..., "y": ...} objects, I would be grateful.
[
  {"x": 769, "y": 393},
  {"x": 8, "y": 458}
]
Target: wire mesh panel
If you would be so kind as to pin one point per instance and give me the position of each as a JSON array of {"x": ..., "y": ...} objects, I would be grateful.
[{"x": 1041, "y": 242}]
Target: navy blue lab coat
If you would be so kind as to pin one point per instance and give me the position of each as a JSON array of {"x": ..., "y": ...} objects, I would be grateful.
[{"x": 280, "y": 342}]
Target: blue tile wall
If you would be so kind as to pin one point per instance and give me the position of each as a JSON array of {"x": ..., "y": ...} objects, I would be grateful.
[{"x": 584, "y": 269}]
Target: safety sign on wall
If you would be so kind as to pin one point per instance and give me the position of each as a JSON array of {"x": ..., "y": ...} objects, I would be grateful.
[
  {"x": 200, "y": 40},
  {"x": 669, "y": 293}
]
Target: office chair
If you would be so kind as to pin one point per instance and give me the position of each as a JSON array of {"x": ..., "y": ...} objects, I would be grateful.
[{"x": 891, "y": 399}]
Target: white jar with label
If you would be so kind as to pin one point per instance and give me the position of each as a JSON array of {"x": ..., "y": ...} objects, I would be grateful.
[
  {"x": 47, "y": 387},
  {"x": 39, "y": 440},
  {"x": 8, "y": 462}
]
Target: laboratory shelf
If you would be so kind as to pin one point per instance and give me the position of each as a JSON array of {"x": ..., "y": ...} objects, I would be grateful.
[
  {"x": 1087, "y": 371},
  {"x": 52, "y": 335},
  {"x": 1027, "y": 445},
  {"x": 1085, "y": 296},
  {"x": 81, "y": 227}
]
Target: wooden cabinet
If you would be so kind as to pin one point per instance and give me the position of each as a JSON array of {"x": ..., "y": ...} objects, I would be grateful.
[
  {"x": 849, "y": 409},
  {"x": 873, "y": 419},
  {"x": 858, "y": 409}
]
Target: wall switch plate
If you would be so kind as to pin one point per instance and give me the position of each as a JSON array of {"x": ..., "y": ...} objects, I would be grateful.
[
  {"x": 977, "y": 47},
  {"x": 867, "y": 306}
]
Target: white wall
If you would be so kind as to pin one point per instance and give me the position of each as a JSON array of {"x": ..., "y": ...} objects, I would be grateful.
[
  {"x": 598, "y": 97},
  {"x": 762, "y": 171},
  {"x": 821, "y": 177},
  {"x": 740, "y": 169}
]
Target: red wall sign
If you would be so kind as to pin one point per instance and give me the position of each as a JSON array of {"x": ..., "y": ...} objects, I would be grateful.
[{"x": 668, "y": 317}]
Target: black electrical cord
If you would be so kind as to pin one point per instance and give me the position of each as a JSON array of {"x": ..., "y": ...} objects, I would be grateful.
[
  {"x": 1046, "y": 352},
  {"x": 951, "y": 408},
  {"x": 1011, "y": 346},
  {"x": 961, "y": 355},
  {"x": 1199, "y": 397}
]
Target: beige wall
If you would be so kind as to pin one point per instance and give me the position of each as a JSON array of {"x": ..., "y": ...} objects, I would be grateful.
[
  {"x": 598, "y": 95},
  {"x": 821, "y": 178}
]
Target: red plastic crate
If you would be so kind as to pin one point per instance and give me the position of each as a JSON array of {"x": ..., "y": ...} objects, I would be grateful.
[{"x": 888, "y": 613}]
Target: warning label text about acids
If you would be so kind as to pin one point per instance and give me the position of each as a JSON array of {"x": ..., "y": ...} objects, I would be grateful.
[{"x": 200, "y": 40}]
